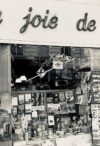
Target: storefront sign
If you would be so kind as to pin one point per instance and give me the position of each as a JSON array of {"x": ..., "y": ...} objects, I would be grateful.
[{"x": 48, "y": 22}]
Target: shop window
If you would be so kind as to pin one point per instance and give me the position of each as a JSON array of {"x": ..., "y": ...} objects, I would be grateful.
[
  {"x": 66, "y": 51},
  {"x": 20, "y": 50},
  {"x": 17, "y": 50},
  {"x": 43, "y": 51}
]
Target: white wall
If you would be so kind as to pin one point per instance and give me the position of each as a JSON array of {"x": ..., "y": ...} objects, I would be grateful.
[
  {"x": 83, "y": 1},
  {"x": 5, "y": 77}
]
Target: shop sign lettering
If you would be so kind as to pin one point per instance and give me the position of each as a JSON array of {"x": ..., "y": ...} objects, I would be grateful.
[
  {"x": 85, "y": 25},
  {"x": 46, "y": 22},
  {"x": 37, "y": 20},
  {"x": 1, "y": 20}
]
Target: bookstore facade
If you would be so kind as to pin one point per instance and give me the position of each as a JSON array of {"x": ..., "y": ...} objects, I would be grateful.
[{"x": 49, "y": 74}]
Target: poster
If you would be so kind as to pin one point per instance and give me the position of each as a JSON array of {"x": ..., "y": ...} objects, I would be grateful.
[
  {"x": 28, "y": 117},
  {"x": 51, "y": 120},
  {"x": 62, "y": 96},
  {"x": 39, "y": 108},
  {"x": 21, "y": 99},
  {"x": 95, "y": 110},
  {"x": 96, "y": 86},
  {"x": 28, "y": 107},
  {"x": 14, "y": 101},
  {"x": 27, "y": 97},
  {"x": 57, "y": 64},
  {"x": 34, "y": 114},
  {"x": 69, "y": 95}
]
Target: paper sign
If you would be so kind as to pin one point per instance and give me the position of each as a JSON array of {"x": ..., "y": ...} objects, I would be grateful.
[
  {"x": 57, "y": 64},
  {"x": 34, "y": 114},
  {"x": 27, "y": 97},
  {"x": 95, "y": 121},
  {"x": 40, "y": 108},
  {"x": 28, "y": 117},
  {"x": 51, "y": 120},
  {"x": 28, "y": 106},
  {"x": 21, "y": 99},
  {"x": 14, "y": 101}
]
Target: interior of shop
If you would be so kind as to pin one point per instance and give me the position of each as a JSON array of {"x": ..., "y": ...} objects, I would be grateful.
[{"x": 50, "y": 91}]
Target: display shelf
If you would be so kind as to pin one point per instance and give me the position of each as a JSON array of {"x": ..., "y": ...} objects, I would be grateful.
[
  {"x": 57, "y": 111},
  {"x": 95, "y": 86}
]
